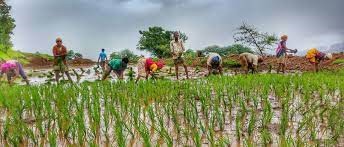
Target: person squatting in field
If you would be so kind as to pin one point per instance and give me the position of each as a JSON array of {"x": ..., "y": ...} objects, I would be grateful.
[
  {"x": 60, "y": 62},
  {"x": 177, "y": 49},
  {"x": 118, "y": 66},
  {"x": 281, "y": 53},
  {"x": 146, "y": 67},
  {"x": 315, "y": 57},
  {"x": 250, "y": 61},
  {"x": 102, "y": 59},
  {"x": 214, "y": 63},
  {"x": 12, "y": 69}
]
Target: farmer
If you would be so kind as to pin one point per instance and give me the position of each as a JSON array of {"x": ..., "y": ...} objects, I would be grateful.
[
  {"x": 250, "y": 61},
  {"x": 60, "y": 63},
  {"x": 102, "y": 59},
  {"x": 177, "y": 49},
  {"x": 214, "y": 63},
  {"x": 146, "y": 67},
  {"x": 116, "y": 65},
  {"x": 281, "y": 53},
  {"x": 315, "y": 57},
  {"x": 12, "y": 69}
]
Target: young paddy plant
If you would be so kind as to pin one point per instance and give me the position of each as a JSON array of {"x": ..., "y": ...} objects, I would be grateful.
[
  {"x": 193, "y": 111},
  {"x": 266, "y": 120}
]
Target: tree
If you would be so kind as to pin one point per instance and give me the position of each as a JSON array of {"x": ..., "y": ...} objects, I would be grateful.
[
  {"x": 249, "y": 35},
  {"x": 70, "y": 55},
  {"x": 224, "y": 51},
  {"x": 123, "y": 53},
  {"x": 128, "y": 53},
  {"x": 115, "y": 55},
  {"x": 7, "y": 26},
  {"x": 157, "y": 41},
  {"x": 239, "y": 48},
  {"x": 73, "y": 55},
  {"x": 190, "y": 53},
  {"x": 78, "y": 56},
  {"x": 215, "y": 49}
]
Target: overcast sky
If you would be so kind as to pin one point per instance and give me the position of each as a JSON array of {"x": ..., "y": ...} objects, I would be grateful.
[{"x": 87, "y": 26}]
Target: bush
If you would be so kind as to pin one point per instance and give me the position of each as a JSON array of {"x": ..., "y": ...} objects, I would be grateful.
[{"x": 230, "y": 63}]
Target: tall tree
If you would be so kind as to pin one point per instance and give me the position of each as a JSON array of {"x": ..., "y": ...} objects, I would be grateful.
[
  {"x": 226, "y": 50},
  {"x": 157, "y": 41},
  {"x": 115, "y": 55},
  {"x": 249, "y": 35},
  {"x": 70, "y": 55},
  {"x": 123, "y": 53},
  {"x": 7, "y": 26},
  {"x": 128, "y": 53}
]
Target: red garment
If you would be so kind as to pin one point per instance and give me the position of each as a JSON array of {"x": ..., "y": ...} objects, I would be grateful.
[
  {"x": 160, "y": 64},
  {"x": 61, "y": 53},
  {"x": 149, "y": 62}
]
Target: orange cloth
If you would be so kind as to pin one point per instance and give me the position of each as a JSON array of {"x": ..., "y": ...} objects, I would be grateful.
[
  {"x": 61, "y": 52},
  {"x": 153, "y": 67}
]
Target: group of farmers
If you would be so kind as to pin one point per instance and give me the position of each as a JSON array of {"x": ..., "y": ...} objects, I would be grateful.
[{"x": 147, "y": 66}]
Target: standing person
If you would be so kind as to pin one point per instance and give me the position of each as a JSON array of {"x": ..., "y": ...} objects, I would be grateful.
[
  {"x": 214, "y": 62},
  {"x": 116, "y": 65},
  {"x": 177, "y": 49},
  {"x": 102, "y": 58},
  {"x": 12, "y": 69},
  {"x": 315, "y": 57},
  {"x": 60, "y": 62},
  {"x": 146, "y": 67},
  {"x": 281, "y": 53},
  {"x": 250, "y": 61}
]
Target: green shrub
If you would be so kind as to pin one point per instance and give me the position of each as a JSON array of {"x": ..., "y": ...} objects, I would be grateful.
[{"x": 230, "y": 63}]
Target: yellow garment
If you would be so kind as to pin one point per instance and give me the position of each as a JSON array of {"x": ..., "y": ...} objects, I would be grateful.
[
  {"x": 311, "y": 54},
  {"x": 153, "y": 67}
]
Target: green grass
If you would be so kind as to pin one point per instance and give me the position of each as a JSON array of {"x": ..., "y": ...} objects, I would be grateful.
[
  {"x": 15, "y": 55},
  {"x": 338, "y": 61},
  {"x": 22, "y": 57}
]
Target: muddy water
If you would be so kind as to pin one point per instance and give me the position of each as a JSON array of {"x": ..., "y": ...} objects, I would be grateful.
[
  {"x": 42, "y": 76},
  {"x": 179, "y": 139}
]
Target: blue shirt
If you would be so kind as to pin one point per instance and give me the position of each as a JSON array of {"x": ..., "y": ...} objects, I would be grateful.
[{"x": 102, "y": 56}]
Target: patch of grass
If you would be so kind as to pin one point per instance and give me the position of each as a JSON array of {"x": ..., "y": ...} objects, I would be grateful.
[
  {"x": 338, "y": 61},
  {"x": 23, "y": 58},
  {"x": 15, "y": 55},
  {"x": 46, "y": 56}
]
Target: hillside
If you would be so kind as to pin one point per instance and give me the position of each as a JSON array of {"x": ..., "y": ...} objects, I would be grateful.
[
  {"x": 38, "y": 59},
  {"x": 11, "y": 54}
]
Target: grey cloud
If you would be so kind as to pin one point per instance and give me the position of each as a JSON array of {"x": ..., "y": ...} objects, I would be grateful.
[{"x": 88, "y": 25}]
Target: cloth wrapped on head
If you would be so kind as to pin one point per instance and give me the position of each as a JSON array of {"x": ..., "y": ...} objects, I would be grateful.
[
  {"x": 7, "y": 66},
  {"x": 153, "y": 67},
  {"x": 215, "y": 62},
  {"x": 329, "y": 56}
]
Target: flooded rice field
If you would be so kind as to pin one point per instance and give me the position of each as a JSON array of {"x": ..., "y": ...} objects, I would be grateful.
[{"x": 243, "y": 110}]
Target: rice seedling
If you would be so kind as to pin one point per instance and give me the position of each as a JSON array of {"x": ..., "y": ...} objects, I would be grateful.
[{"x": 298, "y": 110}]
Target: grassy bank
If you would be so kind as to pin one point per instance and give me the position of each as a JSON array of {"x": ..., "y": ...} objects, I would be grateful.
[{"x": 22, "y": 57}]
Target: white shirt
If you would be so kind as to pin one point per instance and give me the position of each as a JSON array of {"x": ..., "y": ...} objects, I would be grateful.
[{"x": 177, "y": 48}]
